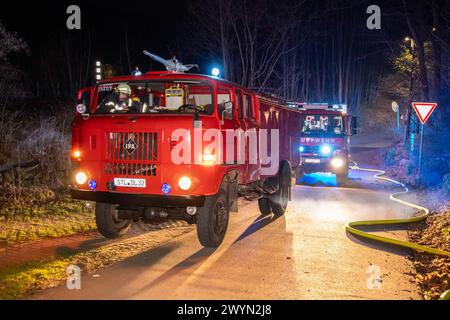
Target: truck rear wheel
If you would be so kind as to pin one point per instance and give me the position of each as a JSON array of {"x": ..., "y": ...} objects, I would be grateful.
[
  {"x": 108, "y": 223},
  {"x": 279, "y": 201},
  {"x": 212, "y": 220}
]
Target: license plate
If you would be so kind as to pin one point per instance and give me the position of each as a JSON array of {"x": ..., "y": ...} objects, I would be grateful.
[
  {"x": 314, "y": 161},
  {"x": 130, "y": 183}
]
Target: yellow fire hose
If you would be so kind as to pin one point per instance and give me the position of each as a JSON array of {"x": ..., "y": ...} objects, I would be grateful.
[{"x": 352, "y": 226}]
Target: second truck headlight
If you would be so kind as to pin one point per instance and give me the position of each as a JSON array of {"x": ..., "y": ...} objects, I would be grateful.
[{"x": 337, "y": 163}]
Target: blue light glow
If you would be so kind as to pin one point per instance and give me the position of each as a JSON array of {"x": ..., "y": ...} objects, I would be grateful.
[
  {"x": 166, "y": 188},
  {"x": 302, "y": 149},
  {"x": 326, "y": 150},
  {"x": 92, "y": 184},
  {"x": 215, "y": 72}
]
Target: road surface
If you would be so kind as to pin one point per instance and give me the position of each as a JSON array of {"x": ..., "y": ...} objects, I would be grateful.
[{"x": 304, "y": 255}]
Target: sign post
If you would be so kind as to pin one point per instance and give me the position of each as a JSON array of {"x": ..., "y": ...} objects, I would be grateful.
[
  {"x": 396, "y": 109},
  {"x": 424, "y": 111}
]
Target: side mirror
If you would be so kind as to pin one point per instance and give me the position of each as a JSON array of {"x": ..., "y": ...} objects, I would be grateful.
[
  {"x": 354, "y": 125},
  {"x": 84, "y": 101},
  {"x": 227, "y": 108}
]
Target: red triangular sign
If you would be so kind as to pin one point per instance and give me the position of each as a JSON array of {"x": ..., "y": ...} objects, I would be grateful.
[{"x": 424, "y": 110}]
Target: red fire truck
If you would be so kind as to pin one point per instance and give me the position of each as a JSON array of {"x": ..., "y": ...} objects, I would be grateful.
[
  {"x": 325, "y": 142},
  {"x": 123, "y": 157}
]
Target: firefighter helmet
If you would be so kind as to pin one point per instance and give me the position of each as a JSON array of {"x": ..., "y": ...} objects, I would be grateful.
[{"x": 124, "y": 88}]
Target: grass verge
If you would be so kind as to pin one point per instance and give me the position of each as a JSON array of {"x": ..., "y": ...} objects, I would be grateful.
[
  {"x": 41, "y": 214},
  {"x": 18, "y": 282}
]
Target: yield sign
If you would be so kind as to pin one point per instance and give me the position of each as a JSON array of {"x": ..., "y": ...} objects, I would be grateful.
[{"x": 424, "y": 110}]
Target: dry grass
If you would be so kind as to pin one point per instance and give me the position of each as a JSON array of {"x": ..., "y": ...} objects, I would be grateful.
[{"x": 433, "y": 273}]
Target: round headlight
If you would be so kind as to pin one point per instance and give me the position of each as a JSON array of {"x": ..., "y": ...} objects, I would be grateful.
[
  {"x": 185, "y": 183},
  {"x": 337, "y": 163},
  {"x": 81, "y": 178}
]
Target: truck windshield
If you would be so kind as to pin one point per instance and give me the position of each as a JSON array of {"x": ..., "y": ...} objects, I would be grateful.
[
  {"x": 322, "y": 125},
  {"x": 150, "y": 97}
]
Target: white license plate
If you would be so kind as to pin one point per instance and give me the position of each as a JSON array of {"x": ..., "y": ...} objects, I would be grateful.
[
  {"x": 130, "y": 183},
  {"x": 314, "y": 161}
]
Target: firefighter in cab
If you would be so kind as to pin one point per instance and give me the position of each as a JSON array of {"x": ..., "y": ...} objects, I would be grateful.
[{"x": 119, "y": 101}]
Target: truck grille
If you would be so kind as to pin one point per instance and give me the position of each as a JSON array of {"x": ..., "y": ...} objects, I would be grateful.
[
  {"x": 131, "y": 153},
  {"x": 130, "y": 169},
  {"x": 311, "y": 150}
]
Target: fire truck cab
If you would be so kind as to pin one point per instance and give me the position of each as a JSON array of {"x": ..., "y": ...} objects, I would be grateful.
[
  {"x": 181, "y": 146},
  {"x": 325, "y": 140}
]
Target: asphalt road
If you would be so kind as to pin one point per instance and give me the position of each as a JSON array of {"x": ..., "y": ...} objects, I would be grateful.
[{"x": 304, "y": 255}]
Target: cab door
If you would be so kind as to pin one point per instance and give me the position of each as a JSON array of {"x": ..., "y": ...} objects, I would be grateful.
[
  {"x": 251, "y": 125},
  {"x": 229, "y": 122}
]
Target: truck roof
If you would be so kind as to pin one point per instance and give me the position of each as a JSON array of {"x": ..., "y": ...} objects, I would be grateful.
[{"x": 319, "y": 108}]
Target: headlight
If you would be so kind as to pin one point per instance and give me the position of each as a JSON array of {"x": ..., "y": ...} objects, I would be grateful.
[
  {"x": 185, "y": 183},
  {"x": 337, "y": 163},
  {"x": 326, "y": 150},
  {"x": 81, "y": 178}
]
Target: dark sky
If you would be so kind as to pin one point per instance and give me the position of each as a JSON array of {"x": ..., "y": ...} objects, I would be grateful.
[
  {"x": 157, "y": 26},
  {"x": 151, "y": 25}
]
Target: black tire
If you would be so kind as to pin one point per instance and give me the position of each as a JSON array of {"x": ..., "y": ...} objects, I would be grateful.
[
  {"x": 212, "y": 221},
  {"x": 264, "y": 207},
  {"x": 342, "y": 179},
  {"x": 108, "y": 223},
  {"x": 299, "y": 177},
  {"x": 279, "y": 201}
]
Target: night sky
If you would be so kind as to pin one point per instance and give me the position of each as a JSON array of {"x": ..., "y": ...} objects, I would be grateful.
[
  {"x": 157, "y": 26},
  {"x": 151, "y": 25}
]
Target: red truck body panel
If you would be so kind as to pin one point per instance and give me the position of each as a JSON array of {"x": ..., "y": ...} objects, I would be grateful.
[{"x": 98, "y": 139}]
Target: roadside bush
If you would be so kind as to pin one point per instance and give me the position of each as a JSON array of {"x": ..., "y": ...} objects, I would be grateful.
[{"x": 42, "y": 136}]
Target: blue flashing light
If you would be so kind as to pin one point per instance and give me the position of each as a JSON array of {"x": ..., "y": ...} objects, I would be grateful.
[
  {"x": 215, "y": 72},
  {"x": 302, "y": 149},
  {"x": 92, "y": 184},
  {"x": 326, "y": 150},
  {"x": 166, "y": 188}
]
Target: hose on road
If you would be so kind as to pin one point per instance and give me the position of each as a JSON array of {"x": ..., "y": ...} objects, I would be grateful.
[{"x": 352, "y": 227}]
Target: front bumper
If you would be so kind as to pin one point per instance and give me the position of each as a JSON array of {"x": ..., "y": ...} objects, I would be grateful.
[
  {"x": 139, "y": 200},
  {"x": 323, "y": 166}
]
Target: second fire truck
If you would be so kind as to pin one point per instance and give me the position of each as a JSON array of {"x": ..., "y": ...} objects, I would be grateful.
[{"x": 325, "y": 140}]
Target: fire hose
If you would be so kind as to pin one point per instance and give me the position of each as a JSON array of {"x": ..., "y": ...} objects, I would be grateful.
[{"x": 352, "y": 227}]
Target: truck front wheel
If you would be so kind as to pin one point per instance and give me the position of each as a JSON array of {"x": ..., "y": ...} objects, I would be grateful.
[
  {"x": 212, "y": 220},
  {"x": 108, "y": 223},
  {"x": 342, "y": 179}
]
